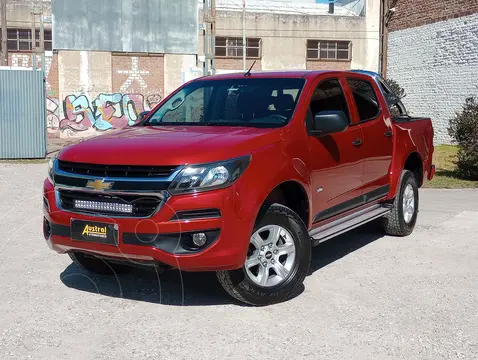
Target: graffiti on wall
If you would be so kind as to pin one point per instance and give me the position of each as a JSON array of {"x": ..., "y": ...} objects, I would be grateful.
[{"x": 78, "y": 113}]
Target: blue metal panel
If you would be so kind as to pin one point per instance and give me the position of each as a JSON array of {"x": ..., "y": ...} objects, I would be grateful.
[
  {"x": 22, "y": 114},
  {"x": 155, "y": 26}
]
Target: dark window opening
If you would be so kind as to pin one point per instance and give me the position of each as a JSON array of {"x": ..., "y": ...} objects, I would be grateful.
[
  {"x": 365, "y": 99},
  {"x": 327, "y": 96},
  {"x": 397, "y": 109},
  {"x": 328, "y": 50},
  {"x": 232, "y": 47},
  {"x": 21, "y": 39}
]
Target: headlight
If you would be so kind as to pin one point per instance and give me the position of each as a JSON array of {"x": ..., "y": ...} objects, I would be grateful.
[
  {"x": 212, "y": 176},
  {"x": 51, "y": 165}
]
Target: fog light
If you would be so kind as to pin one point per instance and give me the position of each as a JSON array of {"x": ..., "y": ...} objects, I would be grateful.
[{"x": 199, "y": 239}]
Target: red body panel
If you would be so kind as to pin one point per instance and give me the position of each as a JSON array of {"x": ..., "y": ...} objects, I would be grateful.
[
  {"x": 409, "y": 138},
  {"x": 331, "y": 163},
  {"x": 377, "y": 146}
]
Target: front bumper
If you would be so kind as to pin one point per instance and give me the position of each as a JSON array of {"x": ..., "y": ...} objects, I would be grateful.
[{"x": 162, "y": 237}]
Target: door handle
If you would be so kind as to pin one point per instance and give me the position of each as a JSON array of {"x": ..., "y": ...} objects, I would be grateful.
[
  {"x": 388, "y": 133},
  {"x": 357, "y": 142}
]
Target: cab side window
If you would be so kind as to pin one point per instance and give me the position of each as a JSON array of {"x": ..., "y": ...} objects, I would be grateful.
[
  {"x": 365, "y": 99},
  {"x": 327, "y": 96}
]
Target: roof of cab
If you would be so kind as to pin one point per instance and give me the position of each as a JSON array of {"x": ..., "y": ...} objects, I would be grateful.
[
  {"x": 266, "y": 74},
  {"x": 282, "y": 74}
]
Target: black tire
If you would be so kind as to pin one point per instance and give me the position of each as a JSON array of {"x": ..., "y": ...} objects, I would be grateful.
[
  {"x": 96, "y": 265},
  {"x": 242, "y": 288},
  {"x": 394, "y": 222}
]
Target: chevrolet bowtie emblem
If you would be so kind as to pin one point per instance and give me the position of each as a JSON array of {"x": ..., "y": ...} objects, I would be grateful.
[{"x": 99, "y": 184}]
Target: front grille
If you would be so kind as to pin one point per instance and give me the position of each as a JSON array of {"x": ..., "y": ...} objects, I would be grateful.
[
  {"x": 118, "y": 171},
  {"x": 143, "y": 205}
]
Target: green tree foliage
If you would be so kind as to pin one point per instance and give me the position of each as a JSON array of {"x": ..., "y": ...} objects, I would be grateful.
[
  {"x": 463, "y": 128},
  {"x": 397, "y": 89}
]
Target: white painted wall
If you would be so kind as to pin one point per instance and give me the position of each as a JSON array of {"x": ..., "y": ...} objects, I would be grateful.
[{"x": 437, "y": 64}]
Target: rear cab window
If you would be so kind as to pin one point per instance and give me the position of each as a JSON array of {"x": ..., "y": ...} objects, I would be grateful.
[
  {"x": 397, "y": 109},
  {"x": 365, "y": 99}
]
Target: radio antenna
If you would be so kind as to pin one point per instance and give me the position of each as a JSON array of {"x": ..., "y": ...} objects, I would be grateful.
[{"x": 248, "y": 73}]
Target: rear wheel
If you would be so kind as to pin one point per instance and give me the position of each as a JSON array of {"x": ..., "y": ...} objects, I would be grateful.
[
  {"x": 403, "y": 217},
  {"x": 95, "y": 264},
  {"x": 277, "y": 261}
]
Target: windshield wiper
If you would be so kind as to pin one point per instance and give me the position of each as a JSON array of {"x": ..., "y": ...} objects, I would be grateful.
[{"x": 216, "y": 123}]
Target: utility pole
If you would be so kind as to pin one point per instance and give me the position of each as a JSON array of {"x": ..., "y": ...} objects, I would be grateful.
[
  {"x": 213, "y": 35},
  {"x": 205, "y": 12},
  {"x": 244, "y": 47},
  {"x": 42, "y": 39},
  {"x": 33, "y": 38},
  {"x": 385, "y": 14},
  {"x": 209, "y": 32},
  {"x": 3, "y": 19}
]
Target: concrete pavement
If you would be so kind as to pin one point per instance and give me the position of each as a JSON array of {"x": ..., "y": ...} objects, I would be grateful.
[{"x": 367, "y": 297}]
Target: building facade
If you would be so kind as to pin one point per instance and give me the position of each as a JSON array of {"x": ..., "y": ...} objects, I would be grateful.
[
  {"x": 91, "y": 88},
  {"x": 306, "y": 35},
  {"x": 432, "y": 54}
]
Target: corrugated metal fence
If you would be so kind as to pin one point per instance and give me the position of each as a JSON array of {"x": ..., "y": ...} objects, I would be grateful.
[{"x": 22, "y": 114}]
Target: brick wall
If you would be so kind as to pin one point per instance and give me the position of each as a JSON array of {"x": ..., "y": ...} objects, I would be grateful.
[
  {"x": 327, "y": 65},
  {"x": 138, "y": 74},
  {"x": 236, "y": 64},
  {"x": 19, "y": 59},
  {"x": 412, "y": 13},
  {"x": 437, "y": 65}
]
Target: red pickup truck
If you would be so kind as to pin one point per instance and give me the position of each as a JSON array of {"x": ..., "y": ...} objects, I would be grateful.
[{"x": 241, "y": 174}]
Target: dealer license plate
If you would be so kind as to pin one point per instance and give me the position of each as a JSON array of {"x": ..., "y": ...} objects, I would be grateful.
[{"x": 92, "y": 231}]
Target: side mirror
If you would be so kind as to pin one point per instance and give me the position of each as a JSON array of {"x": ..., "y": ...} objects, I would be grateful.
[
  {"x": 142, "y": 115},
  {"x": 329, "y": 122}
]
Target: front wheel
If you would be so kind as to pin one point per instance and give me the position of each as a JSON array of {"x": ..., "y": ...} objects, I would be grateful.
[
  {"x": 403, "y": 217},
  {"x": 277, "y": 261}
]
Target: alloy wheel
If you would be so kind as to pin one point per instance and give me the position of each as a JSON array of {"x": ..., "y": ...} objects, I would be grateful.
[
  {"x": 408, "y": 203},
  {"x": 271, "y": 256}
]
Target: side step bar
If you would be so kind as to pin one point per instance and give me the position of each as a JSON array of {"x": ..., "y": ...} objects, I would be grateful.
[{"x": 347, "y": 223}]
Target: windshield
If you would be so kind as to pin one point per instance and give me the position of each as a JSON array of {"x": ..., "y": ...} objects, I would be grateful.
[{"x": 260, "y": 102}]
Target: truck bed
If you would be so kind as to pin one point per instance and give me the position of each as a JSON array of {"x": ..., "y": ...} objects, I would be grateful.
[{"x": 405, "y": 119}]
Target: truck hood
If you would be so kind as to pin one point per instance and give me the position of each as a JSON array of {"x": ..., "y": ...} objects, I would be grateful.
[{"x": 160, "y": 145}]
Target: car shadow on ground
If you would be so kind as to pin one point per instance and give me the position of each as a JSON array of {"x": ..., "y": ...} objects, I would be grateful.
[
  {"x": 336, "y": 248},
  {"x": 177, "y": 288}
]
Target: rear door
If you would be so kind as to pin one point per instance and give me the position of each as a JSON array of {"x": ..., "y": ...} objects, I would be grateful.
[
  {"x": 376, "y": 124},
  {"x": 335, "y": 159}
]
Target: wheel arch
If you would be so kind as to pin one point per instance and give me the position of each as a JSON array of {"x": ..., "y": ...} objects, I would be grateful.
[
  {"x": 414, "y": 163},
  {"x": 291, "y": 194}
]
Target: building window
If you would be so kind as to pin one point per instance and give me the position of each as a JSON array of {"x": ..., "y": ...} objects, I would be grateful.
[
  {"x": 328, "y": 50},
  {"x": 21, "y": 39},
  {"x": 232, "y": 47}
]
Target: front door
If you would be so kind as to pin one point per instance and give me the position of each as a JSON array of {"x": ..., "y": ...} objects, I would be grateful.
[
  {"x": 336, "y": 159},
  {"x": 377, "y": 137}
]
